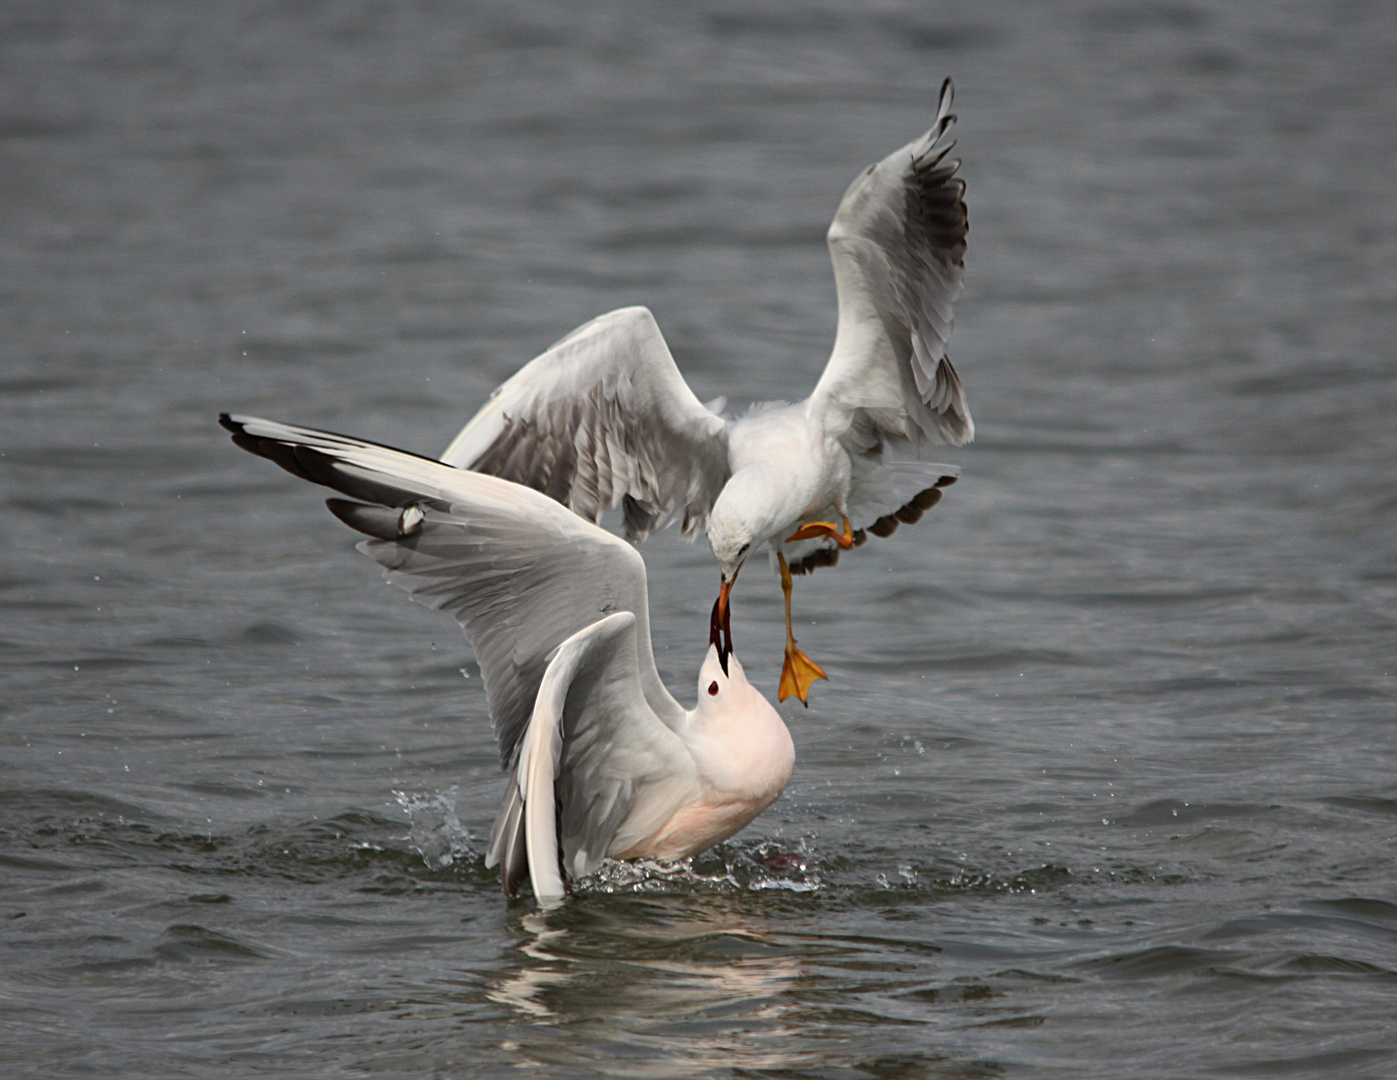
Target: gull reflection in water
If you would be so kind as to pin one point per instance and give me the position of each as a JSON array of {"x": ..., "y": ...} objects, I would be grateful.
[{"x": 700, "y": 983}]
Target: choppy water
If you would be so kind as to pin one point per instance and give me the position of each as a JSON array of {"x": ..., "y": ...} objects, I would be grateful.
[{"x": 1102, "y": 783}]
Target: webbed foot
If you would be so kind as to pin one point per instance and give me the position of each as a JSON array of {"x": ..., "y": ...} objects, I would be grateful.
[
  {"x": 797, "y": 675},
  {"x": 811, "y": 529}
]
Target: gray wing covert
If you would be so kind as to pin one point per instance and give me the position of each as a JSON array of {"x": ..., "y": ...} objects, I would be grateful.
[
  {"x": 604, "y": 418},
  {"x": 519, "y": 572},
  {"x": 597, "y": 770},
  {"x": 898, "y": 245},
  {"x": 516, "y": 598}
]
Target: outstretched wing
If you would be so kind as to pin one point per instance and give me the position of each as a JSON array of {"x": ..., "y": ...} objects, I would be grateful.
[
  {"x": 592, "y": 745},
  {"x": 882, "y": 496},
  {"x": 519, "y": 572},
  {"x": 604, "y": 417},
  {"x": 898, "y": 247}
]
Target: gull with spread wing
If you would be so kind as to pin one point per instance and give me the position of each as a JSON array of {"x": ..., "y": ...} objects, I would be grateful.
[
  {"x": 605, "y": 418},
  {"x": 603, "y": 762}
]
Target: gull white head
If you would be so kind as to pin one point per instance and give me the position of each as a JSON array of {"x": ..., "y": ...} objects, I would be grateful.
[
  {"x": 722, "y": 682},
  {"x": 741, "y": 742},
  {"x": 742, "y": 519},
  {"x": 716, "y": 686}
]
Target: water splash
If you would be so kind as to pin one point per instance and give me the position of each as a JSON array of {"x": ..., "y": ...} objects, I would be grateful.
[
  {"x": 768, "y": 865},
  {"x": 743, "y": 866},
  {"x": 436, "y": 833}
]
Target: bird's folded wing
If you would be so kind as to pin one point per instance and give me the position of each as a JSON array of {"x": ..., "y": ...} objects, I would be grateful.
[
  {"x": 602, "y": 418},
  {"x": 593, "y": 757},
  {"x": 898, "y": 246},
  {"x": 519, "y": 572}
]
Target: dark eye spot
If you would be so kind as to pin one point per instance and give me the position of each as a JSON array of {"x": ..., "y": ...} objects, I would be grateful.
[
  {"x": 744, "y": 549},
  {"x": 713, "y": 688}
]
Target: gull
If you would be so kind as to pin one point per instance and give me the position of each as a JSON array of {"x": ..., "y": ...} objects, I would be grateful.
[
  {"x": 604, "y": 417},
  {"x": 602, "y": 761}
]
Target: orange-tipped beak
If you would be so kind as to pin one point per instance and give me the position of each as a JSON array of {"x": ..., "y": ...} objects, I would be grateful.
[
  {"x": 720, "y": 631},
  {"x": 728, "y": 583}
]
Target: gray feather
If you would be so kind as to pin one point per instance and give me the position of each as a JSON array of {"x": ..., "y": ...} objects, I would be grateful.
[{"x": 601, "y": 418}]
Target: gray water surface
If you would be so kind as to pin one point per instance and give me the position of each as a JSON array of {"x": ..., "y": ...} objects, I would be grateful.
[{"x": 1102, "y": 783}]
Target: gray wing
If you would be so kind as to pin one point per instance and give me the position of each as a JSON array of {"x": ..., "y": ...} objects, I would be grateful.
[
  {"x": 595, "y": 758},
  {"x": 882, "y": 495},
  {"x": 604, "y": 417},
  {"x": 898, "y": 247},
  {"x": 519, "y": 572}
]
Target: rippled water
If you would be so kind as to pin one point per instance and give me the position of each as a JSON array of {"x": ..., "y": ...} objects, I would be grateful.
[{"x": 1102, "y": 782}]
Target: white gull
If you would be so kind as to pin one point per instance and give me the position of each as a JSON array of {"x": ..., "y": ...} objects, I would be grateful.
[
  {"x": 604, "y": 418},
  {"x": 603, "y": 762}
]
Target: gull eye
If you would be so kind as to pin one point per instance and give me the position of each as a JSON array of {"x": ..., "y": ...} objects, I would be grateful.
[
  {"x": 713, "y": 688},
  {"x": 744, "y": 549}
]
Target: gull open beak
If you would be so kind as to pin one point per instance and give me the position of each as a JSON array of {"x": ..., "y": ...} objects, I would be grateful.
[
  {"x": 720, "y": 628},
  {"x": 716, "y": 633}
]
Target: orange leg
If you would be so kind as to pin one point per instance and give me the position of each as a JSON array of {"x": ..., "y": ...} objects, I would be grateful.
[
  {"x": 799, "y": 671},
  {"x": 812, "y": 529}
]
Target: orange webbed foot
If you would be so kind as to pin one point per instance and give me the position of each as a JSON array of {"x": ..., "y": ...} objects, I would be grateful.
[
  {"x": 811, "y": 529},
  {"x": 797, "y": 675}
]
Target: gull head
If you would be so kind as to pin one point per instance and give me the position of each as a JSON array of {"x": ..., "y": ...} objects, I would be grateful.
[
  {"x": 731, "y": 541},
  {"x": 744, "y": 516},
  {"x": 720, "y": 677},
  {"x": 722, "y": 682},
  {"x": 738, "y": 740}
]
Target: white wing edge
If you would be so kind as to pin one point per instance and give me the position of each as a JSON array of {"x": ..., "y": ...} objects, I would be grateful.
[
  {"x": 635, "y": 325},
  {"x": 552, "y": 426},
  {"x": 479, "y": 432},
  {"x": 397, "y": 478},
  {"x": 860, "y": 374},
  {"x": 468, "y": 443},
  {"x": 539, "y": 758}
]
